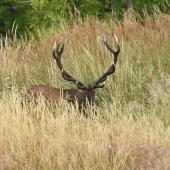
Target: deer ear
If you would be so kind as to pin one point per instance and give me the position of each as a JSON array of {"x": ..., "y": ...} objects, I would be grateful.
[{"x": 74, "y": 86}]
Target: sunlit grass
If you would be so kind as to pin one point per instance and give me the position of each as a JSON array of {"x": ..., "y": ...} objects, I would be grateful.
[{"x": 131, "y": 129}]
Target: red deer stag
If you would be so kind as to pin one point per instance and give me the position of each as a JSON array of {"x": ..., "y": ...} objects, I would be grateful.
[{"x": 84, "y": 93}]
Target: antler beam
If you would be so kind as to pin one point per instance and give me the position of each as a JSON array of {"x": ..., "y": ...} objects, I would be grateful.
[
  {"x": 111, "y": 70},
  {"x": 65, "y": 75}
]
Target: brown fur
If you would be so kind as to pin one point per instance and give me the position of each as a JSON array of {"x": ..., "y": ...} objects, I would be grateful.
[{"x": 71, "y": 95}]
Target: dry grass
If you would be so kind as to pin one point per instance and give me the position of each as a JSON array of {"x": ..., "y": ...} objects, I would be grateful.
[{"x": 131, "y": 130}]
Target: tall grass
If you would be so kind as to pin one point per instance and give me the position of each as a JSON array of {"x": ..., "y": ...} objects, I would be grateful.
[{"x": 131, "y": 129}]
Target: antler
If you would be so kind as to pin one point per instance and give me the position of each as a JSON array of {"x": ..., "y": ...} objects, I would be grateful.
[
  {"x": 111, "y": 70},
  {"x": 65, "y": 75},
  {"x": 80, "y": 85}
]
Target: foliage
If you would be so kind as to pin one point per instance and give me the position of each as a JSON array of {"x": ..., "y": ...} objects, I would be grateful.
[
  {"x": 150, "y": 5},
  {"x": 44, "y": 14},
  {"x": 30, "y": 15}
]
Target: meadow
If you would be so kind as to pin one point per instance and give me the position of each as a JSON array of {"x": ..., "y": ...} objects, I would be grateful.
[{"x": 132, "y": 127}]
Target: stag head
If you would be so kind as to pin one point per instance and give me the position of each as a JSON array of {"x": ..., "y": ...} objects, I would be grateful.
[{"x": 86, "y": 93}]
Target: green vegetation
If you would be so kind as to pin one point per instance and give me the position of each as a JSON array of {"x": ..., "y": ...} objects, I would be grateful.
[
  {"x": 30, "y": 16},
  {"x": 131, "y": 130}
]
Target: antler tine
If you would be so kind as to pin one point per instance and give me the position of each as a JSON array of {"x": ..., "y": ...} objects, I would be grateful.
[
  {"x": 65, "y": 75},
  {"x": 111, "y": 70},
  {"x": 115, "y": 53}
]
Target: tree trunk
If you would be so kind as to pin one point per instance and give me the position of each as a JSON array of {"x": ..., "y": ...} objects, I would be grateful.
[{"x": 129, "y": 7}]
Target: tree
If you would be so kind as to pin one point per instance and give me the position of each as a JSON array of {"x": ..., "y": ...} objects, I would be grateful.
[
  {"x": 43, "y": 14},
  {"x": 30, "y": 15}
]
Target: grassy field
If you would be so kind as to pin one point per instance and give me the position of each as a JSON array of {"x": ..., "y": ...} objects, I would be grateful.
[{"x": 132, "y": 128}]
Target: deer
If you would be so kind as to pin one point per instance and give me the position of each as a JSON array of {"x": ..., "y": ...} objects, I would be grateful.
[{"x": 83, "y": 94}]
